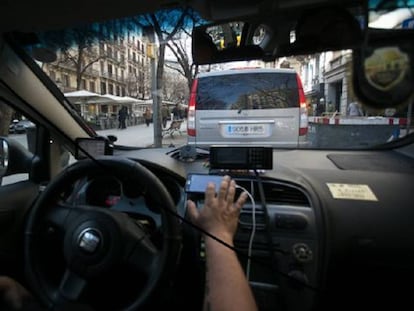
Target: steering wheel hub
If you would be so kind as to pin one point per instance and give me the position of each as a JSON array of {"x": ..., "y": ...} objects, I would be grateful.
[{"x": 89, "y": 240}]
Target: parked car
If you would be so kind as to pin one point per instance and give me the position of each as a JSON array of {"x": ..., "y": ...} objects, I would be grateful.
[
  {"x": 264, "y": 107},
  {"x": 12, "y": 126},
  {"x": 22, "y": 126}
]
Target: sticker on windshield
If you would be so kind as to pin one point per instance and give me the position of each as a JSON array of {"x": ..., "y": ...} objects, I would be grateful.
[
  {"x": 386, "y": 67},
  {"x": 351, "y": 192}
]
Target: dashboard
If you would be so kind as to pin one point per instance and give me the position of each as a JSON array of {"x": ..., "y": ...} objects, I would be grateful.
[{"x": 302, "y": 246}]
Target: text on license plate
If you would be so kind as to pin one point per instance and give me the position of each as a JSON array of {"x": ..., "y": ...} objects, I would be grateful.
[{"x": 245, "y": 130}]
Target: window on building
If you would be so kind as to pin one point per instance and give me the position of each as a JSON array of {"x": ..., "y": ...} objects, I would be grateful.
[
  {"x": 110, "y": 70},
  {"x": 134, "y": 57},
  {"x": 66, "y": 80},
  {"x": 92, "y": 86},
  {"x": 102, "y": 67},
  {"x": 103, "y": 88},
  {"x": 123, "y": 91},
  {"x": 109, "y": 51},
  {"x": 118, "y": 91},
  {"x": 111, "y": 88},
  {"x": 83, "y": 84}
]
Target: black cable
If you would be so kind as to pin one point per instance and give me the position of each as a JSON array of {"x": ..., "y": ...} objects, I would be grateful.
[
  {"x": 183, "y": 219},
  {"x": 267, "y": 222}
]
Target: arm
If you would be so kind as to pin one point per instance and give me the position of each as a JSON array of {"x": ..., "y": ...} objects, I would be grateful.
[
  {"x": 225, "y": 279},
  {"x": 14, "y": 296},
  {"x": 226, "y": 285}
]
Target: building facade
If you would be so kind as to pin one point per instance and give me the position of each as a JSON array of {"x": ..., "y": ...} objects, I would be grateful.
[{"x": 117, "y": 66}]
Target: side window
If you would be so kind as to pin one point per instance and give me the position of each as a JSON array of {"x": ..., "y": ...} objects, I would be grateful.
[{"x": 20, "y": 130}]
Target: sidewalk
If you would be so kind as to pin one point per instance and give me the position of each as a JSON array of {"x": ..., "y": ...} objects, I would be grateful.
[{"x": 143, "y": 136}]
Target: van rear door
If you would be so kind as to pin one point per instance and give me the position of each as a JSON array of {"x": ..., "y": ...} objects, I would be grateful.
[{"x": 254, "y": 107}]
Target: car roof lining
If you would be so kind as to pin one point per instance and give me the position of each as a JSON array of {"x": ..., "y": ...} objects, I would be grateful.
[{"x": 42, "y": 15}]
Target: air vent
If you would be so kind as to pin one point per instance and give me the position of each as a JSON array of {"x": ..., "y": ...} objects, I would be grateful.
[{"x": 276, "y": 193}]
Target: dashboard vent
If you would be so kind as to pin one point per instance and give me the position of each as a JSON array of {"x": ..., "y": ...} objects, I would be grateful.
[{"x": 276, "y": 193}]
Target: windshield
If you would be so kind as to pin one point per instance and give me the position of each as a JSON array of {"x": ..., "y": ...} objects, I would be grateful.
[{"x": 135, "y": 79}]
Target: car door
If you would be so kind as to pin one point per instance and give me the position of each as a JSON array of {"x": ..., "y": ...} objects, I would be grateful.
[{"x": 24, "y": 169}]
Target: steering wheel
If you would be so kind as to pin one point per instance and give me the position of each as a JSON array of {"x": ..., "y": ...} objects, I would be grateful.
[{"x": 95, "y": 241}]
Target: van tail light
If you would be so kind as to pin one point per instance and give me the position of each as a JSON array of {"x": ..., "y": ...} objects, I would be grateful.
[
  {"x": 191, "y": 126},
  {"x": 303, "y": 110}
]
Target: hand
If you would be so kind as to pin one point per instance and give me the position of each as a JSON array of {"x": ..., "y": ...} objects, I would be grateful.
[
  {"x": 13, "y": 294},
  {"x": 220, "y": 213}
]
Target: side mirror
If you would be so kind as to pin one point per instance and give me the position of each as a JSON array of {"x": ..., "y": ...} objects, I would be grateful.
[
  {"x": 4, "y": 157},
  {"x": 14, "y": 157},
  {"x": 384, "y": 68}
]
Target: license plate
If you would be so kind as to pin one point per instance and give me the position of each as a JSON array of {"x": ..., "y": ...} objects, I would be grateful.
[{"x": 243, "y": 130}]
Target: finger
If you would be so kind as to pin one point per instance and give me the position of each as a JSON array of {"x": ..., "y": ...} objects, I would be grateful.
[
  {"x": 241, "y": 200},
  {"x": 192, "y": 211},
  {"x": 210, "y": 193},
  {"x": 231, "y": 193},
  {"x": 224, "y": 186}
]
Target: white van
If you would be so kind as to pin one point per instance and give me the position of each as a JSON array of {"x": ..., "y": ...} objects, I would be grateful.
[{"x": 262, "y": 107}]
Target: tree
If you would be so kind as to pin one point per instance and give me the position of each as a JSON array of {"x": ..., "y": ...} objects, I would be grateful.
[
  {"x": 175, "y": 88},
  {"x": 137, "y": 82},
  {"x": 166, "y": 25},
  {"x": 180, "y": 50},
  {"x": 79, "y": 47}
]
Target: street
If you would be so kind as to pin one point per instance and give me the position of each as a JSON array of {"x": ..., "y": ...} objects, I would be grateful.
[
  {"x": 143, "y": 136},
  {"x": 137, "y": 136}
]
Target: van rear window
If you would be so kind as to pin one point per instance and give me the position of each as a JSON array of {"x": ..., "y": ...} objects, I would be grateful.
[{"x": 248, "y": 91}]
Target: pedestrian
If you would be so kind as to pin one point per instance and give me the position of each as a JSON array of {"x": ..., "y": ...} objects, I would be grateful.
[
  {"x": 122, "y": 115},
  {"x": 165, "y": 113},
  {"x": 320, "y": 108},
  {"x": 354, "y": 110},
  {"x": 147, "y": 116},
  {"x": 177, "y": 112}
]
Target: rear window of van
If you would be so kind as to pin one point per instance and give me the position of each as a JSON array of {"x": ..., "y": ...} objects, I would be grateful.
[{"x": 248, "y": 91}]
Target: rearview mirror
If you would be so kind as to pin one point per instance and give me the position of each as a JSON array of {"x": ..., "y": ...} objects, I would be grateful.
[
  {"x": 224, "y": 42},
  {"x": 308, "y": 32}
]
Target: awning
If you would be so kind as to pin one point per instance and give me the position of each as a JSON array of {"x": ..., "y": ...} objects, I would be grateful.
[{"x": 86, "y": 97}]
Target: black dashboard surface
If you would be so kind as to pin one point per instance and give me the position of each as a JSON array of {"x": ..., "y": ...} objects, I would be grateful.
[{"x": 363, "y": 233}]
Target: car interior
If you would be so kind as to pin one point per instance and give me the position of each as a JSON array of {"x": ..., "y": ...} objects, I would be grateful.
[{"x": 87, "y": 221}]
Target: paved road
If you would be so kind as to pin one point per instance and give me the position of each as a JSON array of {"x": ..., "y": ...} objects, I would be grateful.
[
  {"x": 138, "y": 136},
  {"x": 143, "y": 136}
]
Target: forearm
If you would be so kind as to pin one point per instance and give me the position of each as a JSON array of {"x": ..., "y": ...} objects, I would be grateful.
[{"x": 226, "y": 285}]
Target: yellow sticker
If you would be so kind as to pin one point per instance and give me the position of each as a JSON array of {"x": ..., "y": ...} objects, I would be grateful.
[{"x": 351, "y": 192}]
